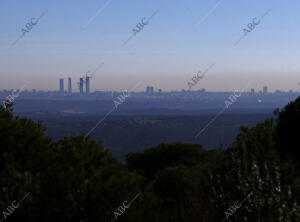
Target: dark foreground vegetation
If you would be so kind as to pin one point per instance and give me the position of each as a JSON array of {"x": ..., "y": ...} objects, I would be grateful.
[{"x": 77, "y": 179}]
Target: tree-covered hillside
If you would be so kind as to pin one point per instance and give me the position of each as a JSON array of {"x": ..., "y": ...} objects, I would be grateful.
[{"x": 77, "y": 179}]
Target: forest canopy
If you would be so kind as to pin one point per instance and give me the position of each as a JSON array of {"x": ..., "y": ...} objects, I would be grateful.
[{"x": 77, "y": 179}]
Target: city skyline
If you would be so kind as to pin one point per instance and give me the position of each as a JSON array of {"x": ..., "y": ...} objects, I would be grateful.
[
  {"x": 84, "y": 88},
  {"x": 181, "y": 39}
]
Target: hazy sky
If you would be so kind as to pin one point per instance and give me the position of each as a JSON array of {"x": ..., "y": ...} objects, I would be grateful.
[{"x": 184, "y": 37}]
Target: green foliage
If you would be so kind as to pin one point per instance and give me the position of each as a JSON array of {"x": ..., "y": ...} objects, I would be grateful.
[
  {"x": 73, "y": 179},
  {"x": 76, "y": 179},
  {"x": 151, "y": 161},
  {"x": 257, "y": 170},
  {"x": 179, "y": 176},
  {"x": 288, "y": 131}
]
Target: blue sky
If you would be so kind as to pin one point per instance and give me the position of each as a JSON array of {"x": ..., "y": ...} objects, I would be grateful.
[{"x": 166, "y": 53}]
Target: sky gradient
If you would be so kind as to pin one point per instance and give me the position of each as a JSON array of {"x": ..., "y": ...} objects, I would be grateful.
[{"x": 184, "y": 37}]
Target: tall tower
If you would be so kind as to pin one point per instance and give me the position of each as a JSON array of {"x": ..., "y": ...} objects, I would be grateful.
[
  {"x": 149, "y": 90},
  {"x": 70, "y": 85},
  {"x": 265, "y": 89},
  {"x": 87, "y": 82},
  {"x": 61, "y": 86},
  {"x": 81, "y": 85}
]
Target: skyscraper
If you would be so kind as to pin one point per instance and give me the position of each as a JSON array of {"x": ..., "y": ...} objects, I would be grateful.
[
  {"x": 81, "y": 85},
  {"x": 265, "y": 90},
  {"x": 70, "y": 85},
  {"x": 149, "y": 90},
  {"x": 87, "y": 82},
  {"x": 61, "y": 86}
]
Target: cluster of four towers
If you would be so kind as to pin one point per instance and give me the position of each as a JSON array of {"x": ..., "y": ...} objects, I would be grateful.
[{"x": 83, "y": 81}]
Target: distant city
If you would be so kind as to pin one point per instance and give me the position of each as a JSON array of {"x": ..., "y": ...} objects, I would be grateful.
[{"x": 84, "y": 92}]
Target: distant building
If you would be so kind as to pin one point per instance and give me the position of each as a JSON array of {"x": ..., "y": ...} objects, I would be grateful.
[
  {"x": 87, "y": 84},
  {"x": 61, "y": 86},
  {"x": 81, "y": 85},
  {"x": 149, "y": 90},
  {"x": 265, "y": 90},
  {"x": 70, "y": 85}
]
